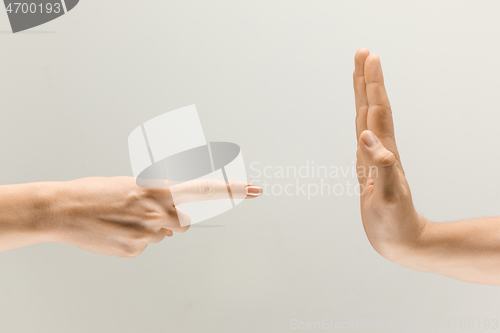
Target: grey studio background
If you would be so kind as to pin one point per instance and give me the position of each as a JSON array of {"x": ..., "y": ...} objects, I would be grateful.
[{"x": 274, "y": 77}]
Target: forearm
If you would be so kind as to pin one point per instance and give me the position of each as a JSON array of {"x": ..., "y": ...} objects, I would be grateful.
[
  {"x": 25, "y": 214},
  {"x": 466, "y": 250}
]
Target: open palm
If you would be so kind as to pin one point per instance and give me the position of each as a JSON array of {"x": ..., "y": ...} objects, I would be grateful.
[{"x": 391, "y": 223}]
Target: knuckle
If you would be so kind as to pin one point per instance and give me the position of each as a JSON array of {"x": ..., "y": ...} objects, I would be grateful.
[
  {"x": 207, "y": 188},
  {"x": 133, "y": 196},
  {"x": 155, "y": 214},
  {"x": 385, "y": 158},
  {"x": 380, "y": 111}
]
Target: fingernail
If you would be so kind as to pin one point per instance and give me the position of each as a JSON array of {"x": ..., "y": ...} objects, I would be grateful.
[
  {"x": 254, "y": 191},
  {"x": 370, "y": 139},
  {"x": 169, "y": 233}
]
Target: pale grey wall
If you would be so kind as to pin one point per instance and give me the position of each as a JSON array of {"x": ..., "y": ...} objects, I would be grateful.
[{"x": 274, "y": 77}]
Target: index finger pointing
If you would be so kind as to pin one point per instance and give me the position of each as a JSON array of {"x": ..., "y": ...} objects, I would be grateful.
[{"x": 212, "y": 189}]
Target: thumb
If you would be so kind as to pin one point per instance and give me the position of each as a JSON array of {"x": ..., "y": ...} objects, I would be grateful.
[{"x": 382, "y": 164}]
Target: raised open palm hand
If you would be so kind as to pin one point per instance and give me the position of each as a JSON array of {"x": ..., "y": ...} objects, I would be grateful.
[{"x": 391, "y": 223}]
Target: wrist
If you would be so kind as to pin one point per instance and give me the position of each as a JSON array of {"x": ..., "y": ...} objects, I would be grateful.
[
  {"x": 417, "y": 251},
  {"x": 44, "y": 213},
  {"x": 25, "y": 214},
  {"x": 61, "y": 204}
]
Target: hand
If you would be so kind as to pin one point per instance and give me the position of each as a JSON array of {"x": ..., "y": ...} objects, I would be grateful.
[
  {"x": 391, "y": 223},
  {"x": 114, "y": 216}
]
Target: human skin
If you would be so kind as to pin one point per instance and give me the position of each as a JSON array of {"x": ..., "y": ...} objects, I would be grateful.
[
  {"x": 106, "y": 215},
  {"x": 466, "y": 250}
]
